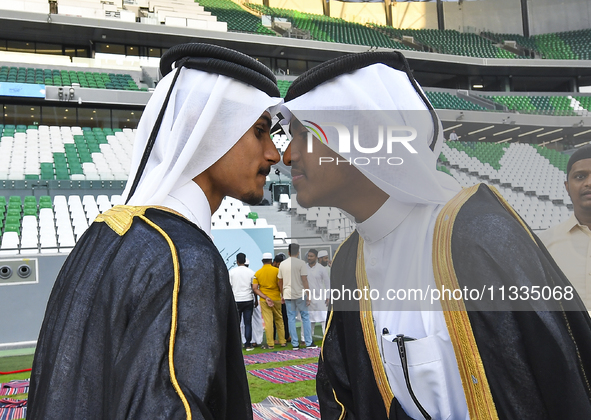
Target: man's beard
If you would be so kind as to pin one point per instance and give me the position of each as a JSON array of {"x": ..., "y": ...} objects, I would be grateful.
[
  {"x": 252, "y": 198},
  {"x": 324, "y": 263}
]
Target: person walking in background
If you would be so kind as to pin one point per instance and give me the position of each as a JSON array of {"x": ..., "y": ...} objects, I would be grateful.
[{"x": 241, "y": 282}]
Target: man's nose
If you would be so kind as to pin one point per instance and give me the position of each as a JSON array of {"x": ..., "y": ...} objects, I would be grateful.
[
  {"x": 287, "y": 156},
  {"x": 271, "y": 152}
]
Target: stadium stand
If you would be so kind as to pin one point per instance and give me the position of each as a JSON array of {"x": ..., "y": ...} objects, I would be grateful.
[
  {"x": 450, "y": 42},
  {"x": 531, "y": 178},
  {"x": 55, "y": 225},
  {"x": 53, "y": 77},
  {"x": 570, "y": 45},
  {"x": 444, "y": 100},
  {"x": 65, "y": 153},
  {"x": 238, "y": 19},
  {"x": 539, "y": 104},
  {"x": 324, "y": 28},
  {"x": 283, "y": 86}
]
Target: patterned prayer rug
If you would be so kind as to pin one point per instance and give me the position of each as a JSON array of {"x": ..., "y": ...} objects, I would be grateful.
[
  {"x": 287, "y": 374},
  {"x": 19, "y": 386},
  {"x": 11, "y": 409},
  {"x": 280, "y": 356},
  {"x": 273, "y": 408}
]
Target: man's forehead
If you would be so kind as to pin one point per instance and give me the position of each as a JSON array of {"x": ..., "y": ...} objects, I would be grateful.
[
  {"x": 266, "y": 116},
  {"x": 295, "y": 124},
  {"x": 581, "y": 165}
]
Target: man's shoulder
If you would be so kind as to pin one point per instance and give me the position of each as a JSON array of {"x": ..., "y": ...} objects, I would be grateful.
[
  {"x": 484, "y": 220},
  {"x": 268, "y": 268},
  {"x": 562, "y": 229},
  {"x": 298, "y": 263}
]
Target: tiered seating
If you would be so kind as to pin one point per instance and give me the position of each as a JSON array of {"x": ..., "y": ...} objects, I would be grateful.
[
  {"x": 444, "y": 100},
  {"x": 450, "y": 42},
  {"x": 233, "y": 214},
  {"x": 514, "y": 103},
  {"x": 324, "y": 28},
  {"x": 562, "y": 45},
  {"x": 281, "y": 142},
  {"x": 528, "y": 43},
  {"x": 557, "y": 159},
  {"x": 48, "y": 226},
  {"x": 579, "y": 43},
  {"x": 238, "y": 19},
  {"x": 556, "y": 105},
  {"x": 330, "y": 222},
  {"x": 54, "y": 77},
  {"x": 584, "y": 102},
  {"x": 487, "y": 153},
  {"x": 553, "y": 46},
  {"x": 530, "y": 181},
  {"x": 65, "y": 153},
  {"x": 283, "y": 86}
]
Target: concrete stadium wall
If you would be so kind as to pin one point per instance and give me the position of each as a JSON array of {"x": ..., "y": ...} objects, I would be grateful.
[
  {"x": 308, "y": 6},
  {"x": 547, "y": 16},
  {"x": 503, "y": 16},
  {"x": 414, "y": 15},
  {"x": 358, "y": 12}
]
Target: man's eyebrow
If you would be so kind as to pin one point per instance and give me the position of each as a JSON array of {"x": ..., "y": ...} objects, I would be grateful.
[{"x": 267, "y": 120}]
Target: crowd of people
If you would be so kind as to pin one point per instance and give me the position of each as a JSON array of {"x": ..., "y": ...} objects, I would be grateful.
[{"x": 277, "y": 288}]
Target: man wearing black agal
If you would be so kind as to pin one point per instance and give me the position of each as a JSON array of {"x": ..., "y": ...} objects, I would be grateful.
[
  {"x": 401, "y": 348},
  {"x": 141, "y": 322}
]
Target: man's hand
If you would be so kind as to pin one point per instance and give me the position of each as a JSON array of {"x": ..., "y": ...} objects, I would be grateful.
[
  {"x": 270, "y": 303},
  {"x": 282, "y": 301},
  {"x": 308, "y": 302}
]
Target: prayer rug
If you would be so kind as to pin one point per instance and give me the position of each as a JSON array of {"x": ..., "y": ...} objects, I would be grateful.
[
  {"x": 287, "y": 374},
  {"x": 280, "y": 356},
  {"x": 277, "y": 356},
  {"x": 273, "y": 408},
  {"x": 19, "y": 386},
  {"x": 11, "y": 409}
]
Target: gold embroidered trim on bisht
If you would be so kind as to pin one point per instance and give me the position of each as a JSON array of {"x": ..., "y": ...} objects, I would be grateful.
[
  {"x": 369, "y": 332},
  {"x": 120, "y": 218},
  {"x": 174, "y": 322},
  {"x": 476, "y": 388},
  {"x": 328, "y": 324}
]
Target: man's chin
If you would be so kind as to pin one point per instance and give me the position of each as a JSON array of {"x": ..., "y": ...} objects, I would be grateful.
[
  {"x": 252, "y": 198},
  {"x": 304, "y": 201}
]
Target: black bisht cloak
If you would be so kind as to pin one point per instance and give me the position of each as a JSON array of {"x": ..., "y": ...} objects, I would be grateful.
[
  {"x": 103, "y": 351},
  {"x": 537, "y": 364}
]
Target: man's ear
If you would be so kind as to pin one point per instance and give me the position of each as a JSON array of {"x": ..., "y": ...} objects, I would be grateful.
[{"x": 566, "y": 186}]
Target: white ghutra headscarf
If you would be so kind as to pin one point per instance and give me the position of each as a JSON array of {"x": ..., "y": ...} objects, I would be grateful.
[
  {"x": 360, "y": 98},
  {"x": 206, "y": 115}
]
